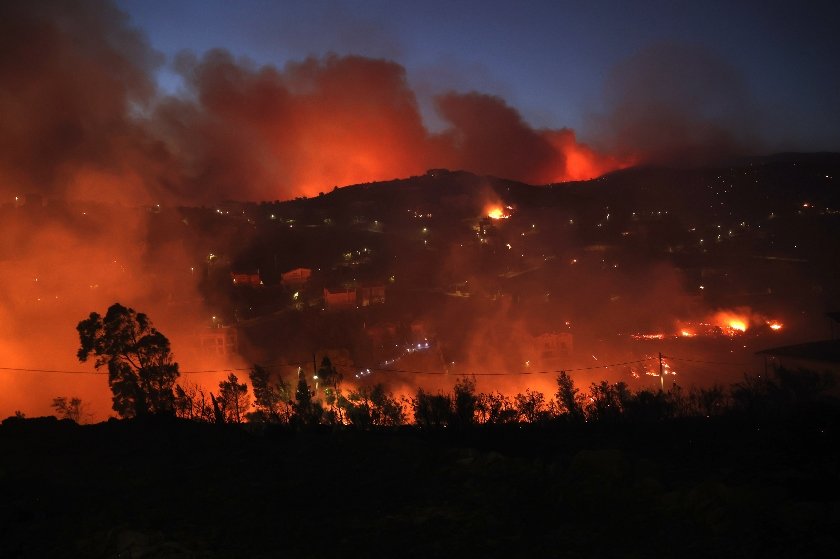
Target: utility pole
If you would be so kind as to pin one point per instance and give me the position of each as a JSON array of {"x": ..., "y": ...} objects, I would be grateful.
[
  {"x": 315, "y": 372},
  {"x": 661, "y": 374}
]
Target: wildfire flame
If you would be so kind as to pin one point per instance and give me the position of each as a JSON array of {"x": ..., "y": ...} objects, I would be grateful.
[
  {"x": 497, "y": 212},
  {"x": 648, "y": 336},
  {"x": 738, "y": 324},
  {"x": 732, "y": 322}
]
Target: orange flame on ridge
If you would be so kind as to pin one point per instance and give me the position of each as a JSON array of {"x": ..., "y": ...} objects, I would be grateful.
[{"x": 497, "y": 212}]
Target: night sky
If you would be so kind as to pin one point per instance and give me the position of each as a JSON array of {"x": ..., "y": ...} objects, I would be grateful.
[{"x": 556, "y": 62}]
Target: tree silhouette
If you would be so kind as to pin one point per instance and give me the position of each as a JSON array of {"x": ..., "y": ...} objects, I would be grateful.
[
  {"x": 607, "y": 401},
  {"x": 192, "y": 402},
  {"x": 386, "y": 409},
  {"x": 708, "y": 402},
  {"x": 141, "y": 372},
  {"x": 466, "y": 401},
  {"x": 432, "y": 410},
  {"x": 531, "y": 406},
  {"x": 306, "y": 412},
  {"x": 568, "y": 397},
  {"x": 329, "y": 377},
  {"x": 272, "y": 397},
  {"x": 70, "y": 408},
  {"x": 234, "y": 399},
  {"x": 495, "y": 408},
  {"x": 372, "y": 407},
  {"x": 649, "y": 405}
]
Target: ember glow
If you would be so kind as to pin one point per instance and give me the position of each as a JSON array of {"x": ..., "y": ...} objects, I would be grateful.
[
  {"x": 730, "y": 323},
  {"x": 657, "y": 336},
  {"x": 738, "y": 321},
  {"x": 498, "y": 212},
  {"x": 737, "y": 324}
]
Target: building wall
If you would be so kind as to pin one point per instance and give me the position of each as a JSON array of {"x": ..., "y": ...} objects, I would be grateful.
[
  {"x": 298, "y": 276},
  {"x": 222, "y": 341},
  {"x": 252, "y": 279},
  {"x": 340, "y": 299}
]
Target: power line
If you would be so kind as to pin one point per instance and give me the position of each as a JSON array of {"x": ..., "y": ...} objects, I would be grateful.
[
  {"x": 608, "y": 366},
  {"x": 222, "y": 370},
  {"x": 67, "y": 372},
  {"x": 25, "y": 370},
  {"x": 706, "y": 362},
  {"x": 402, "y": 371},
  {"x": 499, "y": 374}
]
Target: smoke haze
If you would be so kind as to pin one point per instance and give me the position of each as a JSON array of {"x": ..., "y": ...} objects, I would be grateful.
[
  {"x": 84, "y": 123},
  {"x": 82, "y": 118},
  {"x": 673, "y": 103}
]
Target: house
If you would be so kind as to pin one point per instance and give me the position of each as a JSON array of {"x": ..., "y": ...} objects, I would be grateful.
[
  {"x": 251, "y": 278},
  {"x": 344, "y": 299},
  {"x": 818, "y": 356},
  {"x": 296, "y": 277},
  {"x": 372, "y": 295},
  {"x": 552, "y": 346},
  {"x": 219, "y": 341}
]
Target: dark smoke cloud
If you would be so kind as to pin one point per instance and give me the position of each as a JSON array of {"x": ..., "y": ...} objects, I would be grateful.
[
  {"x": 75, "y": 84},
  {"x": 676, "y": 103},
  {"x": 252, "y": 132},
  {"x": 269, "y": 133},
  {"x": 72, "y": 75},
  {"x": 82, "y": 118},
  {"x": 488, "y": 134}
]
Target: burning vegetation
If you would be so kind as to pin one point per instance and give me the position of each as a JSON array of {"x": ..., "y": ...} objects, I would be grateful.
[
  {"x": 114, "y": 191},
  {"x": 721, "y": 323},
  {"x": 498, "y": 212},
  {"x": 574, "y": 350}
]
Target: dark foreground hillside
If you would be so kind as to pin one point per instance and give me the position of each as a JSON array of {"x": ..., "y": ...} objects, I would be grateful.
[{"x": 713, "y": 488}]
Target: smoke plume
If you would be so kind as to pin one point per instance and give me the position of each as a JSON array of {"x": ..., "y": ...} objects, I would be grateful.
[
  {"x": 677, "y": 104},
  {"x": 78, "y": 161},
  {"x": 83, "y": 123}
]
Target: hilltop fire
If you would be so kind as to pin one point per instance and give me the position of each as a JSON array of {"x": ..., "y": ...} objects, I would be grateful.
[
  {"x": 192, "y": 204},
  {"x": 731, "y": 322},
  {"x": 498, "y": 212},
  {"x": 722, "y": 323}
]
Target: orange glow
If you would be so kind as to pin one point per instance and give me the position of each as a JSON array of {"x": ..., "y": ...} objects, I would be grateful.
[
  {"x": 648, "y": 336},
  {"x": 729, "y": 322},
  {"x": 579, "y": 161},
  {"x": 732, "y": 322},
  {"x": 497, "y": 212},
  {"x": 738, "y": 324}
]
